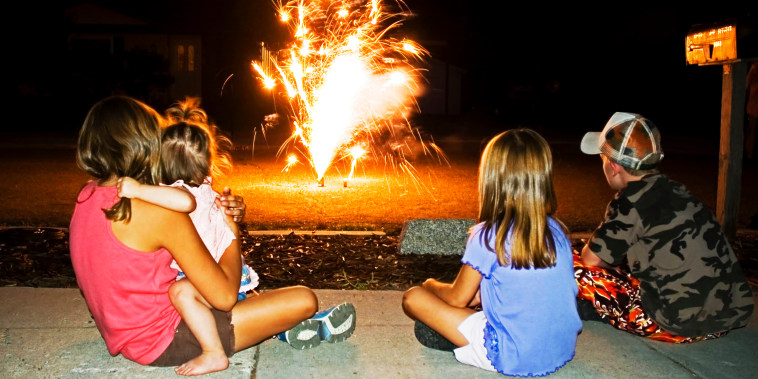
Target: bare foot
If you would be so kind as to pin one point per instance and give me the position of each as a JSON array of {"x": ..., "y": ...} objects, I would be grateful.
[{"x": 204, "y": 363}]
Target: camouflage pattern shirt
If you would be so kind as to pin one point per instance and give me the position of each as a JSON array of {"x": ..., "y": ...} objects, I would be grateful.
[{"x": 690, "y": 280}]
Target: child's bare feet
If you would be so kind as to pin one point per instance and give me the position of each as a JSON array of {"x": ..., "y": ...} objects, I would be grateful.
[{"x": 207, "y": 362}]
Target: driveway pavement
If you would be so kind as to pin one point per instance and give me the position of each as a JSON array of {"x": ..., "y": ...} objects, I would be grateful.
[{"x": 48, "y": 333}]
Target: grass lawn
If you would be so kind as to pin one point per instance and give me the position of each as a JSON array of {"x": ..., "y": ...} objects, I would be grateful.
[{"x": 39, "y": 188}]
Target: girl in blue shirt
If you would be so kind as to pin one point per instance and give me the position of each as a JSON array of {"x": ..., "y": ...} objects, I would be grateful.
[{"x": 517, "y": 268}]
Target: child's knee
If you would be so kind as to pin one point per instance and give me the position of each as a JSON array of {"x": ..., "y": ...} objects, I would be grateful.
[
  {"x": 305, "y": 301},
  {"x": 411, "y": 296},
  {"x": 310, "y": 303},
  {"x": 181, "y": 290}
]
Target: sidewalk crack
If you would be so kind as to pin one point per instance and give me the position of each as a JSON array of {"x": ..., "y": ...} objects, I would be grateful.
[{"x": 254, "y": 371}]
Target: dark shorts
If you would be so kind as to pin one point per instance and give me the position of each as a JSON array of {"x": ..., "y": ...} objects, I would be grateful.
[{"x": 185, "y": 346}]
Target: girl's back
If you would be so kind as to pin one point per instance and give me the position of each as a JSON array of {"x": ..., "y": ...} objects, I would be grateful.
[
  {"x": 531, "y": 313},
  {"x": 518, "y": 266}
]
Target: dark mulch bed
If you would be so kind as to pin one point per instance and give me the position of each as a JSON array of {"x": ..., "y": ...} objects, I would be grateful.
[{"x": 39, "y": 257}]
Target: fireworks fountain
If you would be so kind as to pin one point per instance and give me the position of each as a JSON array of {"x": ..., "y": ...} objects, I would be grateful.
[{"x": 347, "y": 81}]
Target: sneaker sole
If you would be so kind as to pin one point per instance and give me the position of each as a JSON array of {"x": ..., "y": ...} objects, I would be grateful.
[
  {"x": 304, "y": 335},
  {"x": 339, "y": 324}
]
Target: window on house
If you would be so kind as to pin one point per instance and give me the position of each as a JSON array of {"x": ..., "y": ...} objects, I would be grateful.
[{"x": 180, "y": 58}]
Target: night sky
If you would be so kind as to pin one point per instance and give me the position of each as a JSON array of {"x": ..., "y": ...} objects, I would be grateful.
[{"x": 551, "y": 64}]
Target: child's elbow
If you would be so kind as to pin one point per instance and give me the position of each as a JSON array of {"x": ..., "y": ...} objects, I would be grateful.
[
  {"x": 224, "y": 298},
  {"x": 190, "y": 205},
  {"x": 459, "y": 302},
  {"x": 225, "y": 302}
]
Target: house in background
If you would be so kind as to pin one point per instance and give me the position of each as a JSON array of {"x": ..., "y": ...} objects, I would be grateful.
[{"x": 109, "y": 52}]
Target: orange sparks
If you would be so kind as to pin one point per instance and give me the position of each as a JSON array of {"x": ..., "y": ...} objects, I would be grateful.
[
  {"x": 346, "y": 76},
  {"x": 268, "y": 81},
  {"x": 291, "y": 161}
]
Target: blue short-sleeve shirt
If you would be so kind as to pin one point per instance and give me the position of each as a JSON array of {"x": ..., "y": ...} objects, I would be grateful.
[{"x": 532, "y": 321}]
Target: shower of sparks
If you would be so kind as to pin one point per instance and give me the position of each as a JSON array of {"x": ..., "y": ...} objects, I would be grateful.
[
  {"x": 356, "y": 152},
  {"x": 348, "y": 82}
]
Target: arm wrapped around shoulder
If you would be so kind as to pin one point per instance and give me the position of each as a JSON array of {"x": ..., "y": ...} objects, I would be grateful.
[{"x": 218, "y": 282}]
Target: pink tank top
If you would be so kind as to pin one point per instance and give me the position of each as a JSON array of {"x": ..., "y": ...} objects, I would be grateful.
[{"x": 126, "y": 290}]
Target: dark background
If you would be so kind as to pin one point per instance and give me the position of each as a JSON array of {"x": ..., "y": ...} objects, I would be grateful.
[{"x": 556, "y": 66}]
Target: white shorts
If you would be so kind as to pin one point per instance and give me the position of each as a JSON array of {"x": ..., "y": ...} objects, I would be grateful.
[{"x": 474, "y": 354}]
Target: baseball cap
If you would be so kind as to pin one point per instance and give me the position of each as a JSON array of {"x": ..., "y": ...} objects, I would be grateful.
[{"x": 628, "y": 139}]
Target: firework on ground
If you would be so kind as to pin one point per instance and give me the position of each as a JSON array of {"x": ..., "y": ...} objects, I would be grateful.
[{"x": 350, "y": 84}]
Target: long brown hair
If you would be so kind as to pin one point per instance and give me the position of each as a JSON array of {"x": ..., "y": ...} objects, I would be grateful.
[
  {"x": 192, "y": 147},
  {"x": 516, "y": 194},
  {"x": 120, "y": 137}
]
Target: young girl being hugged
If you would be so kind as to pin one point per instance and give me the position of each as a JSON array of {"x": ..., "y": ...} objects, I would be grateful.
[
  {"x": 192, "y": 155},
  {"x": 517, "y": 268}
]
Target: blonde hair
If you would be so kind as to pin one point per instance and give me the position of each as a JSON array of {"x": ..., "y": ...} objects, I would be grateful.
[
  {"x": 516, "y": 194},
  {"x": 120, "y": 136},
  {"x": 192, "y": 148}
]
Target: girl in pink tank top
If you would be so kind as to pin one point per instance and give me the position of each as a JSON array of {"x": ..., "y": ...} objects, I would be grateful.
[{"x": 122, "y": 250}]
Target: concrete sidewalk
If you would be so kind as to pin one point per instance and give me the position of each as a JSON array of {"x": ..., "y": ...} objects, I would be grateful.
[{"x": 48, "y": 333}]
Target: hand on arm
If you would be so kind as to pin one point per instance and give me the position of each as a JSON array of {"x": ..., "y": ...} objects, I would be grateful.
[
  {"x": 462, "y": 292},
  {"x": 232, "y": 205},
  {"x": 173, "y": 198}
]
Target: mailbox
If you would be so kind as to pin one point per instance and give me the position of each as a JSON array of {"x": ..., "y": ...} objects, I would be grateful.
[
  {"x": 720, "y": 43},
  {"x": 731, "y": 44}
]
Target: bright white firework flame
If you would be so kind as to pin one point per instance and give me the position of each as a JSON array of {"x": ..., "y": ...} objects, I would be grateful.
[{"x": 345, "y": 77}]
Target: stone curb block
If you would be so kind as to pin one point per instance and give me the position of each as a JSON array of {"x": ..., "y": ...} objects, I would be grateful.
[{"x": 435, "y": 236}]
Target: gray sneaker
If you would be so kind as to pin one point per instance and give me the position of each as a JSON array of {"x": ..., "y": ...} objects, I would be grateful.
[
  {"x": 303, "y": 335},
  {"x": 337, "y": 323}
]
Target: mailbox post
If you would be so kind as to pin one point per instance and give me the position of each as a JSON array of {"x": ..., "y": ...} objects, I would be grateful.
[
  {"x": 716, "y": 44},
  {"x": 730, "y": 146}
]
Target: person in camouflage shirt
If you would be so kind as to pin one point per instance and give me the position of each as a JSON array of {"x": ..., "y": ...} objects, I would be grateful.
[{"x": 659, "y": 265}]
